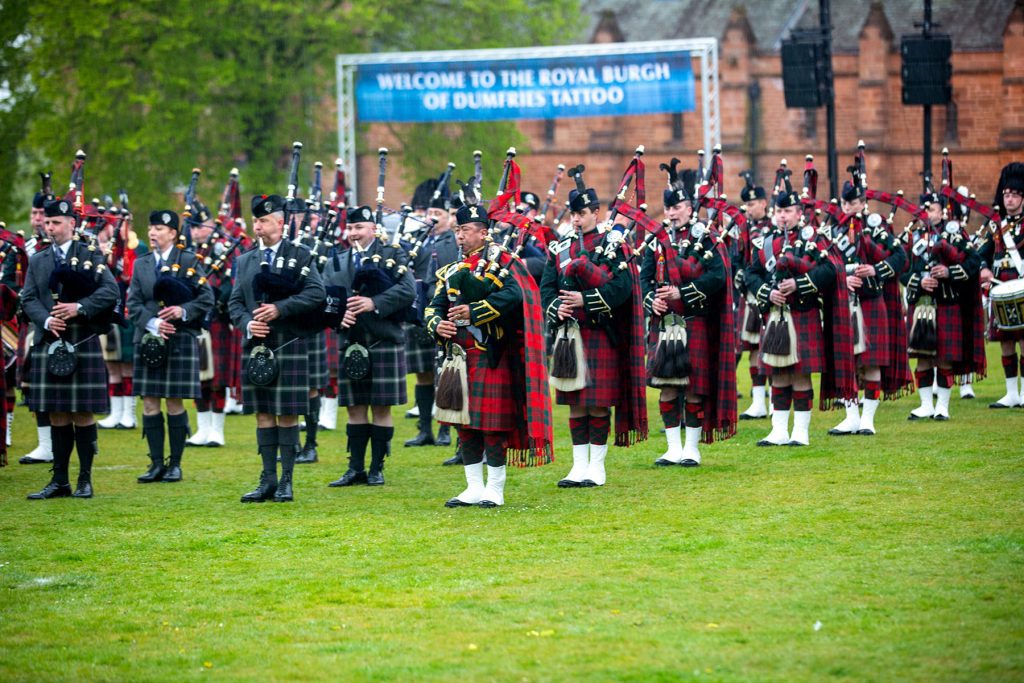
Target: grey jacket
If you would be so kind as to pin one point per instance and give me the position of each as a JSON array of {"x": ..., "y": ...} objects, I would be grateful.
[
  {"x": 142, "y": 306},
  {"x": 375, "y": 326},
  {"x": 293, "y": 309},
  {"x": 37, "y": 300}
]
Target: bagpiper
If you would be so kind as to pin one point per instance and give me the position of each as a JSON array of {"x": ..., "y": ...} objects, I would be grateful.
[
  {"x": 749, "y": 318},
  {"x": 276, "y": 291},
  {"x": 493, "y": 385},
  {"x": 592, "y": 297},
  {"x": 70, "y": 305},
  {"x": 168, "y": 301},
  {"x": 873, "y": 258},
  {"x": 381, "y": 291},
  {"x": 798, "y": 279}
]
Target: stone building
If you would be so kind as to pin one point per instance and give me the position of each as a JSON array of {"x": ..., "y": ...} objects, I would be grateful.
[{"x": 983, "y": 127}]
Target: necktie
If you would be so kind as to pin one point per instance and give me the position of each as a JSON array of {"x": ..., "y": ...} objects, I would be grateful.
[
  {"x": 159, "y": 264},
  {"x": 268, "y": 254},
  {"x": 58, "y": 255}
]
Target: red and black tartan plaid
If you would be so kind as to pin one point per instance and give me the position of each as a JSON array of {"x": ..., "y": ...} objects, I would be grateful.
[
  {"x": 331, "y": 337},
  {"x": 839, "y": 376},
  {"x": 528, "y": 397},
  {"x": 810, "y": 345},
  {"x": 897, "y": 379},
  {"x": 876, "y": 334},
  {"x": 225, "y": 355},
  {"x": 949, "y": 329},
  {"x": 604, "y": 387}
]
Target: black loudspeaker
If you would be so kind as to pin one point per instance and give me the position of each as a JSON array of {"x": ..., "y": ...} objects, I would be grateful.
[
  {"x": 804, "y": 73},
  {"x": 927, "y": 70}
]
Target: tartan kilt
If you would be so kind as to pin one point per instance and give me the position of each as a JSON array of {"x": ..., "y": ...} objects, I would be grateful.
[
  {"x": 492, "y": 405},
  {"x": 317, "y": 348},
  {"x": 742, "y": 309},
  {"x": 177, "y": 378},
  {"x": 876, "y": 333},
  {"x": 950, "y": 332},
  {"x": 810, "y": 345},
  {"x": 226, "y": 352},
  {"x": 119, "y": 344},
  {"x": 701, "y": 381},
  {"x": 419, "y": 355},
  {"x": 84, "y": 391},
  {"x": 386, "y": 385},
  {"x": 604, "y": 383},
  {"x": 289, "y": 394},
  {"x": 331, "y": 336}
]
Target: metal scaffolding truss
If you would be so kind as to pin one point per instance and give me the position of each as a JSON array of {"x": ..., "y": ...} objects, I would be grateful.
[{"x": 704, "y": 49}]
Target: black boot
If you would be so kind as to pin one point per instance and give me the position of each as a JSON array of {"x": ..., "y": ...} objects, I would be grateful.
[
  {"x": 287, "y": 446},
  {"x": 59, "y": 486},
  {"x": 380, "y": 445},
  {"x": 85, "y": 444},
  {"x": 455, "y": 459},
  {"x": 425, "y": 403},
  {"x": 308, "y": 452},
  {"x": 177, "y": 432},
  {"x": 358, "y": 437},
  {"x": 444, "y": 435},
  {"x": 266, "y": 439},
  {"x": 153, "y": 430}
]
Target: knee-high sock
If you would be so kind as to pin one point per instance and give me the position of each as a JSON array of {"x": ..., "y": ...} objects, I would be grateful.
[
  {"x": 380, "y": 445},
  {"x": 472, "y": 442},
  {"x": 63, "y": 443},
  {"x": 782, "y": 398},
  {"x": 579, "y": 429},
  {"x": 670, "y": 413},
  {"x": 358, "y": 438},
  {"x": 288, "y": 446},
  {"x": 153, "y": 429},
  {"x": 312, "y": 421},
  {"x": 85, "y": 444},
  {"x": 266, "y": 440},
  {"x": 599, "y": 428},
  {"x": 494, "y": 448},
  {"x": 177, "y": 432},
  {"x": 803, "y": 399}
]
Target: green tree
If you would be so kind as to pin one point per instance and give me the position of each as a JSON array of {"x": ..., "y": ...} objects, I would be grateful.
[{"x": 151, "y": 88}]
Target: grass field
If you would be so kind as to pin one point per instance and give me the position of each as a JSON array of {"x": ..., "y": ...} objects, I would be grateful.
[{"x": 888, "y": 558}]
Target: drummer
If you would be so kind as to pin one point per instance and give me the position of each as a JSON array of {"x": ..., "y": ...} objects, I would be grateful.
[{"x": 1001, "y": 264}]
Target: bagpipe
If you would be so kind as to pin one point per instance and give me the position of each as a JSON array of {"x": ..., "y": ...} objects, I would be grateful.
[{"x": 381, "y": 270}]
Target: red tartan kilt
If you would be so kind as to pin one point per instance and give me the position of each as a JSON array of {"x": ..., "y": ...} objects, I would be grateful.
[
  {"x": 701, "y": 381},
  {"x": 950, "y": 332},
  {"x": 226, "y": 354},
  {"x": 876, "y": 331},
  {"x": 810, "y": 345},
  {"x": 604, "y": 381},
  {"x": 333, "y": 356},
  {"x": 492, "y": 405}
]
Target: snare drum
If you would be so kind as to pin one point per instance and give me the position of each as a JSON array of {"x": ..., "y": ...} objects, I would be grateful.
[{"x": 1008, "y": 305}]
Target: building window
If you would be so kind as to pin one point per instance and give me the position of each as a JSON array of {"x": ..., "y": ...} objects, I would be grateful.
[
  {"x": 677, "y": 127},
  {"x": 810, "y": 124},
  {"x": 952, "y": 136},
  {"x": 549, "y": 131}
]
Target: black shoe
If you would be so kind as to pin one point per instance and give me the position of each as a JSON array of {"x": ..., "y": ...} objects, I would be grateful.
[
  {"x": 487, "y": 504},
  {"x": 154, "y": 473},
  {"x": 840, "y": 432},
  {"x": 744, "y": 416},
  {"x": 350, "y": 478},
  {"x": 444, "y": 436},
  {"x": 455, "y": 459},
  {"x": 996, "y": 405},
  {"x": 865, "y": 432},
  {"x": 569, "y": 484},
  {"x": 172, "y": 474},
  {"x": 51, "y": 490},
  {"x": 375, "y": 477},
  {"x": 424, "y": 438},
  {"x": 306, "y": 455},
  {"x": 284, "y": 490},
  {"x": 456, "y": 503},
  {"x": 940, "y": 418},
  {"x": 689, "y": 462},
  {"x": 29, "y": 460},
  {"x": 84, "y": 489},
  {"x": 265, "y": 490}
]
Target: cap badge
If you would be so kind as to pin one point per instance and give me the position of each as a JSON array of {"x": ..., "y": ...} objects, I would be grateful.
[{"x": 63, "y": 207}]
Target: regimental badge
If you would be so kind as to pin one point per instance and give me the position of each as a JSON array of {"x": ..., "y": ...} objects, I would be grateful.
[
  {"x": 953, "y": 227},
  {"x": 698, "y": 231},
  {"x": 63, "y": 207},
  {"x": 473, "y": 213},
  {"x": 166, "y": 218},
  {"x": 807, "y": 233},
  {"x": 680, "y": 195},
  {"x": 267, "y": 206},
  {"x": 366, "y": 214}
]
